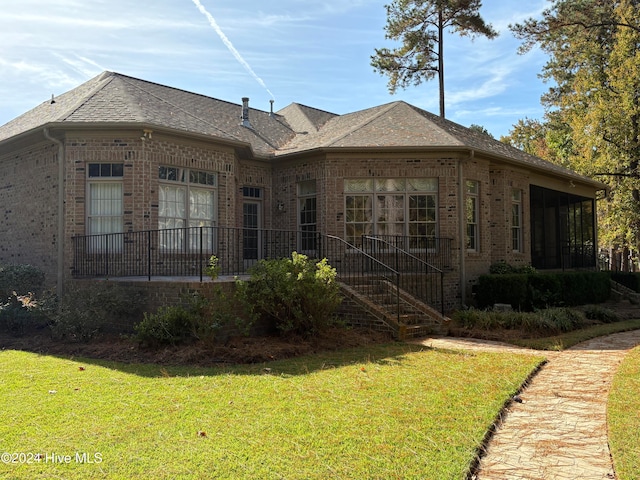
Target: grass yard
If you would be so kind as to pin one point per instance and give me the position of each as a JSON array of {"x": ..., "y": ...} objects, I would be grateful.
[
  {"x": 386, "y": 411},
  {"x": 623, "y": 419}
]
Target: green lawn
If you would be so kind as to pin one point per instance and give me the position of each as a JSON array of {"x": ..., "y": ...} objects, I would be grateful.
[
  {"x": 623, "y": 419},
  {"x": 390, "y": 411}
]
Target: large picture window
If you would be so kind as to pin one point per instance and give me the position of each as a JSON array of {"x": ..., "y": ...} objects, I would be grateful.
[
  {"x": 390, "y": 207},
  {"x": 105, "y": 205},
  {"x": 187, "y": 198}
]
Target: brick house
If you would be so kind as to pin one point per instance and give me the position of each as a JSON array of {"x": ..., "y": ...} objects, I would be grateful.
[{"x": 119, "y": 154}]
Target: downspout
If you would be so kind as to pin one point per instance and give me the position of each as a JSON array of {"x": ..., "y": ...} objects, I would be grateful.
[
  {"x": 462, "y": 233},
  {"x": 60, "y": 252}
]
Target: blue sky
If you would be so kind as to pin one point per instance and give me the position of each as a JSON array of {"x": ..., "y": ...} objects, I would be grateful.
[{"x": 312, "y": 52}]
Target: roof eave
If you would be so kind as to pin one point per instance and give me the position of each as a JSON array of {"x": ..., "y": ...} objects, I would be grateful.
[{"x": 244, "y": 149}]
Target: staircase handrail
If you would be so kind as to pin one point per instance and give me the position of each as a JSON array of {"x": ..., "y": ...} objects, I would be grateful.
[{"x": 426, "y": 264}]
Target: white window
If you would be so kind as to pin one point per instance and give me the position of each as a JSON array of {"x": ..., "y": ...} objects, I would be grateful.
[
  {"x": 471, "y": 211},
  {"x": 186, "y": 200},
  {"x": 105, "y": 206},
  {"x": 391, "y": 207},
  {"x": 516, "y": 220}
]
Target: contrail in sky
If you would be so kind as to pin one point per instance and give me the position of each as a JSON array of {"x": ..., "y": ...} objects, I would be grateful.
[{"x": 230, "y": 46}]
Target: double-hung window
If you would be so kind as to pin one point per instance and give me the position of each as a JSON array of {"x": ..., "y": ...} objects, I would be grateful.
[
  {"x": 391, "y": 207},
  {"x": 471, "y": 211},
  {"x": 186, "y": 201},
  {"x": 105, "y": 206}
]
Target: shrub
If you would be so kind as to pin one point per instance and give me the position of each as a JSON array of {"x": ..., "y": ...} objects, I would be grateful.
[
  {"x": 21, "y": 279},
  {"x": 503, "y": 288},
  {"x": 208, "y": 319},
  {"x": 20, "y": 313},
  {"x": 604, "y": 315},
  {"x": 86, "y": 311},
  {"x": 504, "y": 268},
  {"x": 551, "y": 320},
  {"x": 213, "y": 268},
  {"x": 299, "y": 296},
  {"x": 531, "y": 291},
  {"x": 561, "y": 319},
  {"x": 629, "y": 280},
  {"x": 169, "y": 325}
]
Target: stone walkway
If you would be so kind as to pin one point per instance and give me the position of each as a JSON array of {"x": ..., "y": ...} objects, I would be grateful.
[{"x": 559, "y": 430}]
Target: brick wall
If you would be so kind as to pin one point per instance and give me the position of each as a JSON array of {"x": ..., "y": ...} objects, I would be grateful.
[{"x": 29, "y": 208}]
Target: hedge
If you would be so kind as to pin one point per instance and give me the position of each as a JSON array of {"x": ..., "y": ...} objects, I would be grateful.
[{"x": 526, "y": 292}]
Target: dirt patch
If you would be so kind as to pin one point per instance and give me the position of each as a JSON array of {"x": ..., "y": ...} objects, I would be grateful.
[{"x": 237, "y": 350}]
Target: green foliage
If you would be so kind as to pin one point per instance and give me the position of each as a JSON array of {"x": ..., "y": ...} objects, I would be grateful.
[
  {"x": 21, "y": 313},
  {"x": 548, "y": 321},
  {"x": 86, "y": 311},
  {"x": 629, "y": 280},
  {"x": 417, "y": 25},
  {"x": 594, "y": 113},
  {"x": 213, "y": 268},
  {"x": 209, "y": 319},
  {"x": 503, "y": 288},
  {"x": 561, "y": 319},
  {"x": 531, "y": 291},
  {"x": 170, "y": 325},
  {"x": 298, "y": 295},
  {"x": 504, "y": 268},
  {"x": 21, "y": 279},
  {"x": 601, "y": 314}
]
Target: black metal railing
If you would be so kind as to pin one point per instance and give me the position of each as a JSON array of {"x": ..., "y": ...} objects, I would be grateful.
[
  {"x": 184, "y": 251},
  {"x": 363, "y": 272},
  {"x": 419, "y": 278},
  {"x": 435, "y": 251}
]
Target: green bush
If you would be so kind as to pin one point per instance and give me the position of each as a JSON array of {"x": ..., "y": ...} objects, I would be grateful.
[
  {"x": 604, "y": 315},
  {"x": 550, "y": 321},
  {"x": 629, "y": 280},
  {"x": 21, "y": 279},
  {"x": 503, "y": 288},
  {"x": 209, "y": 319},
  {"x": 21, "y": 313},
  {"x": 504, "y": 268},
  {"x": 556, "y": 320},
  {"x": 532, "y": 291},
  {"x": 170, "y": 325},
  {"x": 297, "y": 295},
  {"x": 84, "y": 312}
]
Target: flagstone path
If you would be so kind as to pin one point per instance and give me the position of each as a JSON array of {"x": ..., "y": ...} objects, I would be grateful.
[{"x": 559, "y": 429}]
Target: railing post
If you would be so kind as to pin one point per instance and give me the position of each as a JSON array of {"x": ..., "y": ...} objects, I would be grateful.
[
  {"x": 106, "y": 257},
  {"x": 398, "y": 297}
]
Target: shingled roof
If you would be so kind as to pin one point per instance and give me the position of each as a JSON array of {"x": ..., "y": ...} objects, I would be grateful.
[{"x": 113, "y": 99}]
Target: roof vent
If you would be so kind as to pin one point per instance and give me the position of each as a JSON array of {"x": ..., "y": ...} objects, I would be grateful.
[
  {"x": 53, "y": 100},
  {"x": 271, "y": 111},
  {"x": 245, "y": 113}
]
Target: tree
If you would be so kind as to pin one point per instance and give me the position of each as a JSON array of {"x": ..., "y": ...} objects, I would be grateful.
[
  {"x": 594, "y": 48},
  {"x": 481, "y": 129},
  {"x": 420, "y": 26}
]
